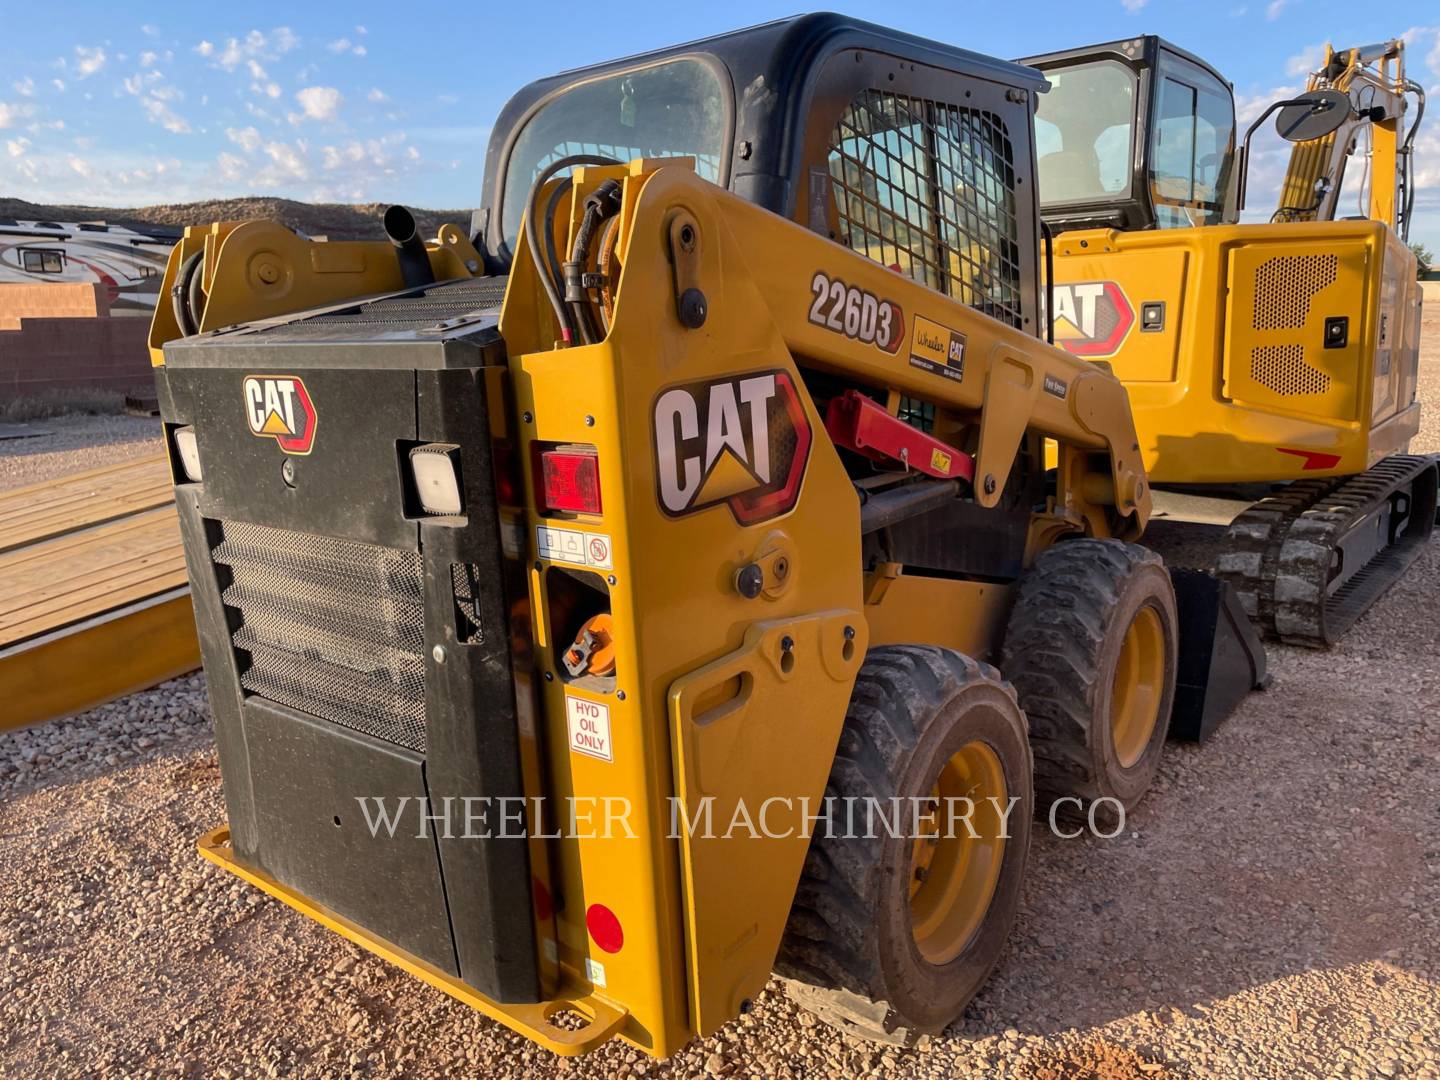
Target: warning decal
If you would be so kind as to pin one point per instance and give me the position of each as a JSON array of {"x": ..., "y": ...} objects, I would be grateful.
[
  {"x": 589, "y": 723},
  {"x": 938, "y": 349},
  {"x": 575, "y": 547}
]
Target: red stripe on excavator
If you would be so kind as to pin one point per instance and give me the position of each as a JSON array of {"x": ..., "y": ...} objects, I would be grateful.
[{"x": 1314, "y": 459}]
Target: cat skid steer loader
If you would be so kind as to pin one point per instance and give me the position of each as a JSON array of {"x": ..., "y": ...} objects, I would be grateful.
[
  {"x": 1272, "y": 367},
  {"x": 623, "y": 548}
]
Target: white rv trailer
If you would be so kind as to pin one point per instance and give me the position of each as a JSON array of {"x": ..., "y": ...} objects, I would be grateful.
[{"x": 130, "y": 263}]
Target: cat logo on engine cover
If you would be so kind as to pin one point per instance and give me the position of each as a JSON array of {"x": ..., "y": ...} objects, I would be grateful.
[
  {"x": 741, "y": 440},
  {"x": 279, "y": 407},
  {"x": 1092, "y": 318}
]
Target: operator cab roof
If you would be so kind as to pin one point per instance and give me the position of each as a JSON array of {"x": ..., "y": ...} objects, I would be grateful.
[{"x": 750, "y": 90}]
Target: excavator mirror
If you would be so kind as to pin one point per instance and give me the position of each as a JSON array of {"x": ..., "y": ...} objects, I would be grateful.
[{"x": 1313, "y": 115}]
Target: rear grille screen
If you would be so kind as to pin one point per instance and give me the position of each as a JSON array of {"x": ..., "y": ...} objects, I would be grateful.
[
  {"x": 333, "y": 628},
  {"x": 1284, "y": 287}
]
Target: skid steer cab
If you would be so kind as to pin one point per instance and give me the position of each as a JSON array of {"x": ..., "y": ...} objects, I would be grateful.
[{"x": 659, "y": 587}]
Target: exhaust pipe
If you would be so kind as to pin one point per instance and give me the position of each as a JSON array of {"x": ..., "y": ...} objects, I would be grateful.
[{"x": 410, "y": 252}]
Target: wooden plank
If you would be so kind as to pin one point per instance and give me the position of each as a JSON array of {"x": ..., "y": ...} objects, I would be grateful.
[
  {"x": 94, "y": 598},
  {"x": 41, "y": 511},
  {"x": 79, "y": 575}
]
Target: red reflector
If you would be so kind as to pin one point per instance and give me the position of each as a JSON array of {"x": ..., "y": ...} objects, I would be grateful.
[
  {"x": 570, "y": 481},
  {"x": 604, "y": 928}
]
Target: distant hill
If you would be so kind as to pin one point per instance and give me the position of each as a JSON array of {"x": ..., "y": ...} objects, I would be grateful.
[{"x": 337, "y": 221}]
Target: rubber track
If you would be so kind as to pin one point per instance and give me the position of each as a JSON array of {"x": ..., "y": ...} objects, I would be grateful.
[
  {"x": 1279, "y": 553},
  {"x": 828, "y": 942}
]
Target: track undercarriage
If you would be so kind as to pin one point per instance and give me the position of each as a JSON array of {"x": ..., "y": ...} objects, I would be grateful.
[{"x": 1312, "y": 558}]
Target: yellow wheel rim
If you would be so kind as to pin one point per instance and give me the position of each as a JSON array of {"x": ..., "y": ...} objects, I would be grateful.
[
  {"x": 952, "y": 872},
  {"x": 1136, "y": 691}
]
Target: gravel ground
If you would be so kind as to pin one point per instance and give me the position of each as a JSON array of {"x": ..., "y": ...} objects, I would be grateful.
[
  {"x": 1272, "y": 910},
  {"x": 75, "y": 443}
]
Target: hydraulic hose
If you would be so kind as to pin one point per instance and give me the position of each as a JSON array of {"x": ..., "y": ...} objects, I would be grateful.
[
  {"x": 185, "y": 317},
  {"x": 532, "y": 240}
]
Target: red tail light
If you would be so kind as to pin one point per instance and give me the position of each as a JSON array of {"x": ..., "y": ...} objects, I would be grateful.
[{"x": 570, "y": 480}]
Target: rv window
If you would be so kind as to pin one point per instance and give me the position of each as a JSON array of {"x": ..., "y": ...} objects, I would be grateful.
[
  {"x": 42, "y": 262},
  {"x": 928, "y": 189}
]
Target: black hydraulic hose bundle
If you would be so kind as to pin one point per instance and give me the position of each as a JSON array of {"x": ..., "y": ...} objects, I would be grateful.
[
  {"x": 600, "y": 205},
  {"x": 186, "y": 299},
  {"x": 550, "y": 274}
]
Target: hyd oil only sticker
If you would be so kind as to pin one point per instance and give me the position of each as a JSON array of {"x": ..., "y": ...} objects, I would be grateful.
[
  {"x": 589, "y": 723},
  {"x": 574, "y": 547},
  {"x": 937, "y": 349}
]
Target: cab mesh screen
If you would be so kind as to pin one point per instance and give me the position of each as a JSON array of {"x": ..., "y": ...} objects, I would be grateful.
[
  {"x": 928, "y": 189},
  {"x": 331, "y": 627}
]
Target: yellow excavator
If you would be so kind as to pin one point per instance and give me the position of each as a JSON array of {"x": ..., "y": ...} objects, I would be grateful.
[
  {"x": 1270, "y": 365},
  {"x": 576, "y": 591}
]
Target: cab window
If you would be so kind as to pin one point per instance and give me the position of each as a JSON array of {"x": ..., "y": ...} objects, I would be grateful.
[
  {"x": 1192, "y": 144},
  {"x": 1084, "y": 127}
]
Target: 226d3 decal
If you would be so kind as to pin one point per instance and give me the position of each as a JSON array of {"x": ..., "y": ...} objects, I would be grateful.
[
  {"x": 1092, "y": 318},
  {"x": 742, "y": 440},
  {"x": 856, "y": 313},
  {"x": 279, "y": 407}
]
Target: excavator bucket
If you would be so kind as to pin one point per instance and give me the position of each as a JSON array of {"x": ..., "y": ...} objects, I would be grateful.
[{"x": 1221, "y": 657}]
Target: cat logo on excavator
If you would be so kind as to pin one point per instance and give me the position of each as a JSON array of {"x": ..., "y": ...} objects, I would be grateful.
[
  {"x": 743, "y": 440},
  {"x": 279, "y": 407},
  {"x": 1092, "y": 318}
]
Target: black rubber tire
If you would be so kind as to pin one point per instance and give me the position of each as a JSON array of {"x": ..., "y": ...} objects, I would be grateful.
[
  {"x": 1061, "y": 646},
  {"x": 849, "y": 954}
]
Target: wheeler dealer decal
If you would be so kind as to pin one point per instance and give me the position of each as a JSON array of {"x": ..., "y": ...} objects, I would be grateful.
[
  {"x": 741, "y": 440},
  {"x": 279, "y": 407},
  {"x": 1092, "y": 318},
  {"x": 855, "y": 313},
  {"x": 938, "y": 349}
]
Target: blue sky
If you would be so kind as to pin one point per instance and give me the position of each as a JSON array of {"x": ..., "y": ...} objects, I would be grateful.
[{"x": 116, "y": 104}]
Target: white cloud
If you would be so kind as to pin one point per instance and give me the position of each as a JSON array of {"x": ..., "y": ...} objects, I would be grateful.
[
  {"x": 256, "y": 69},
  {"x": 377, "y": 95},
  {"x": 345, "y": 45},
  {"x": 147, "y": 59},
  {"x": 361, "y": 31},
  {"x": 248, "y": 139},
  {"x": 161, "y": 113},
  {"x": 1272, "y": 12},
  {"x": 319, "y": 102},
  {"x": 290, "y": 160},
  {"x": 412, "y": 153},
  {"x": 59, "y": 84},
  {"x": 149, "y": 29},
  {"x": 89, "y": 60},
  {"x": 1305, "y": 61},
  {"x": 17, "y": 147},
  {"x": 80, "y": 165},
  {"x": 254, "y": 46},
  {"x": 25, "y": 87},
  {"x": 1132, "y": 6},
  {"x": 12, "y": 114}
]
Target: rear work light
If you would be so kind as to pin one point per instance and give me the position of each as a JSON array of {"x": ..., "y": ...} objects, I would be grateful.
[{"x": 570, "y": 479}]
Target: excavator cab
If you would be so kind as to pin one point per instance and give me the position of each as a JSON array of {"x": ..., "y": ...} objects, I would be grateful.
[{"x": 1134, "y": 134}]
